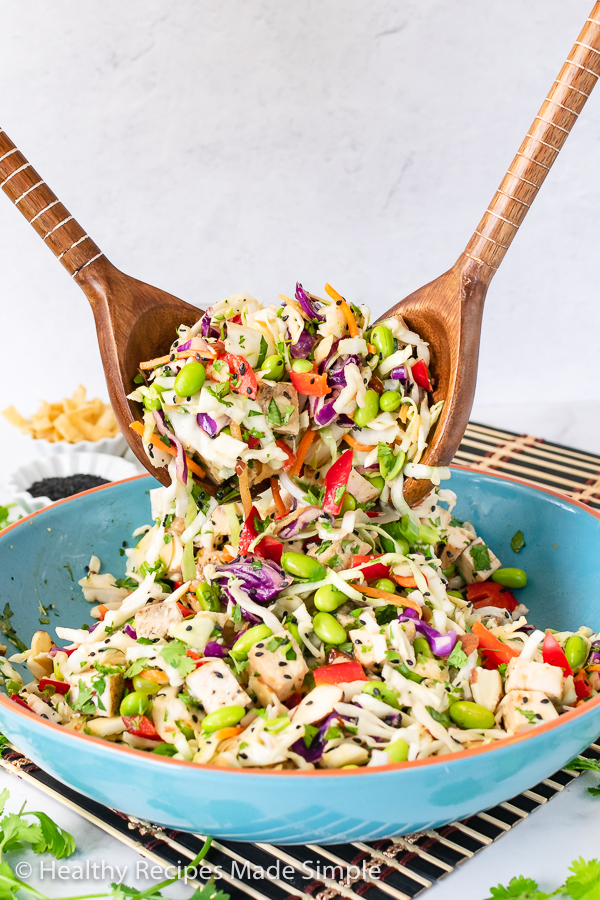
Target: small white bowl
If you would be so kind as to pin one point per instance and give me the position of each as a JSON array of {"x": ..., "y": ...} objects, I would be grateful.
[
  {"x": 114, "y": 446},
  {"x": 60, "y": 465}
]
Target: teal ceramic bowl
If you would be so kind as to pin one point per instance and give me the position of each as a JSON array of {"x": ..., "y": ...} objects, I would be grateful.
[{"x": 39, "y": 553}]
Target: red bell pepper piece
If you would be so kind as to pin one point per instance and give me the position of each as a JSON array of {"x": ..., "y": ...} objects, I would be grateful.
[
  {"x": 421, "y": 375},
  {"x": 16, "y": 699},
  {"x": 336, "y": 482},
  {"x": 372, "y": 573},
  {"x": 553, "y": 654},
  {"x": 494, "y": 651},
  {"x": 243, "y": 379},
  {"x": 253, "y": 442},
  {"x": 582, "y": 685},
  {"x": 340, "y": 673},
  {"x": 269, "y": 548},
  {"x": 293, "y": 700},
  {"x": 488, "y": 593},
  {"x": 141, "y": 727},
  {"x": 185, "y": 611},
  {"x": 291, "y": 456},
  {"x": 177, "y": 584},
  {"x": 310, "y": 384},
  {"x": 61, "y": 687},
  {"x": 249, "y": 531}
]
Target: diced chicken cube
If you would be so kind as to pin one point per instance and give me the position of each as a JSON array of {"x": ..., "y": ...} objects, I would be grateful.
[
  {"x": 361, "y": 489},
  {"x": 156, "y": 620},
  {"x": 458, "y": 541},
  {"x": 215, "y": 686},
  {"x": 282, "y": 669},
  {"x": 369, "y": 648},
  {"x": 522, "y": 710},
  {"x": 286, "y": 399},
  {"x": 468, "y": 567},
  {"x": 107, "y": 691},
  {"x": 317, "y": 704},
  {"x": 486, "y": 686},
  {"x": 523, "y": 675},
  {"x": 343, "y": 551}
]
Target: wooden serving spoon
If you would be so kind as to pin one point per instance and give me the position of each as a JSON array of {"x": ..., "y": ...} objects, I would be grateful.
[{"x": 135, "y": 321}]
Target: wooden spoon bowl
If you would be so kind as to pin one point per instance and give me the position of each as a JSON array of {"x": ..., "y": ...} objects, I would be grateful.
[{"x": 135, "y": 321}]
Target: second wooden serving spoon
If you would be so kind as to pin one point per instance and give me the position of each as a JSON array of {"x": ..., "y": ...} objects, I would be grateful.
[{"x": 135, "y": 321}]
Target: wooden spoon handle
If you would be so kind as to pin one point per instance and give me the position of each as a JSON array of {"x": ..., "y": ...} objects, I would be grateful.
[
  {"x": 550, "y": 129},
  {"x": 44, "y": 211}
]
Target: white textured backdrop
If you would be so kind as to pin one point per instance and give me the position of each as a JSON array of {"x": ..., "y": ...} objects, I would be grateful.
[{"x": 210, "y": 147}]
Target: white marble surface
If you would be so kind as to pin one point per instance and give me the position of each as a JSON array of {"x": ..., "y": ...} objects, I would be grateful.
[{"x": 212, "y": 147}]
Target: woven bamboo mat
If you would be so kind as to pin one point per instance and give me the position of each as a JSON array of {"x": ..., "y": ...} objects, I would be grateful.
[{"x": 409, "y": 865}]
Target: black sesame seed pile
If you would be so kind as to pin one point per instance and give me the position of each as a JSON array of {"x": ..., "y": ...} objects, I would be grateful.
[{"x": 59, "y": 488}]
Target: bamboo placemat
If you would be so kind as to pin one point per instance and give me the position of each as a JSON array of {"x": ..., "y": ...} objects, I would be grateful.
[{"x": 409, "y": 865}]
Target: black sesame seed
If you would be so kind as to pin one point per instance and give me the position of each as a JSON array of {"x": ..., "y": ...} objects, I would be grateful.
[
  {"x": 219, "y": 674},
  {"x": 259, "y": 654},
  {"x": 281, "y": 663},
  {"x": 261, "y": 645},
  {"x": 288, "y": 676},
  {"x": 242, "y": 368},
  {"x": 249, "y": 390},
  {"x": 188, "y": 627},
  {"x": 545, "y": 700}
]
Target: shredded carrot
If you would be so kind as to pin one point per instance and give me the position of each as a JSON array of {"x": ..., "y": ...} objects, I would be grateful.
[
  {"x": 362, "y": 448},
  {"x": 385, "y": 595},
  {"x": 404, "y": 412},
  {"x": 281, "y": 507},
  {"x": 183, "y": 354},
  {"x": 405, "y": 580},
  {"x": 156, "y": 441},
  {"x": 371, "y": 348},
  {"x": 302, "y": 451},
  {"x": 595, "y": 668},
  {"x": 102, "y": 610},
  {"x": 291, "y": 459},
  {"x": 241, "y": 470},
  {"x": 156, "y": 675},
  {"x": 224, "y": 733},
  {"x": 339, "y": 300}
]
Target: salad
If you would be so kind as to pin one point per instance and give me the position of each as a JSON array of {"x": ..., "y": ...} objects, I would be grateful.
[
  {"x": 290, "y": 611},
  {"x": 250, "y": 392}
]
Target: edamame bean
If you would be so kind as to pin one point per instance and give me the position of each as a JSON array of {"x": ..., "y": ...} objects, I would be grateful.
[
  {"x": 383, "y": 339},
  {"x": 367, "y": 412},
  {"x": 152, "y": 402},
  {"x": 394, "y": 531},
  {"x": 449, "y": 571},
  {"x": 326, "y": 627},
  {"x": 190, "y": 379},
  {"x": 135, "y": 704},
  {"x": 273, "y": 368},
  {"x": 294, "y": 631},
  {"x": 348, "y": 503},
  {"x": 223, "y": 718},
  {"x": 377, "y": 481},
  {"x": 576, "y": 651},
  {"x": 207, "y": 597},
  {"x": 382, "y": 692},
  {"x": 303, "y": 566},
  {"x": 421, "y": 646},
  {"x": 145, "y": 685},
  {"x": 329, "y": 598},
  {"x": 510, "y": 578},
  {"x": 467, "y": 715},
  {"x": 384, "y": 584},
  {"x": 456, "y": 594},
  {"x": 398, "y": 751},
  {"x": 244, "y": 644},
  {"x": 390, "y": 401},
  {"x": 301, "y": 365}
]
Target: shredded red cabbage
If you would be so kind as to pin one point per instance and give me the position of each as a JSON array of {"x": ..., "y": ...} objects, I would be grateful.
[
  {"x": 313, "y": 753},
  {"x": 211, "y": 426},
  {"x": 303, "y": 346},
  {"x": 441, "y": 644},
  {"x": 310, "y": 514},
  {"x": 307, "y": 304},
  {"x": 261, "y": 579},
  {"x": 131, "y": 632}
]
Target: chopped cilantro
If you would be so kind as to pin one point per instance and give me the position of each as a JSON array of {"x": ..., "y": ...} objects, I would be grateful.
[
  {"x": 517, "y": 541},
  {"x": 458, "y": 657},
  {"x": 481, "y": 558}
]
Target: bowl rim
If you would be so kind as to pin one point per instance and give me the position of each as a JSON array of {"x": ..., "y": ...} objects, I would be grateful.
[{"x": 155, "y": 759}]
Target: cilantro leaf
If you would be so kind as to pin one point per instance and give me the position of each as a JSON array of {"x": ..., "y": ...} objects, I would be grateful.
[
  {"x": 583, "y": 765},
  {"x": 7, "y": 629},
  {"x": 531, "y": 717},
  {"x": 481, "y": 557},
  {"x": 273, "y": 413},
  {"x": 518, "y": 889},
  {"x": 54, "y": 840},
  {"x": 594, "y": 791},
  {"x": 584, "y": 884},
  {"x": 174, "y": 653},
  {"x": 137, "y": 666},
  {"x": 262, "y": 353},
  {"x": 309, "y": 733},
  {"x": 83, "y": 704},
  {"x": 458, "y": 657},
  {"x": 517, "y": 541}
]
